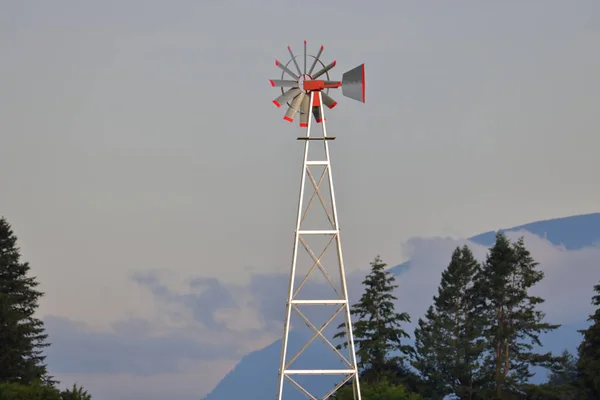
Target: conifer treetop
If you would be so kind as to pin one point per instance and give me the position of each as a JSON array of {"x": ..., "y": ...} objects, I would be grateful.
[{"x": 22, "y": 338}]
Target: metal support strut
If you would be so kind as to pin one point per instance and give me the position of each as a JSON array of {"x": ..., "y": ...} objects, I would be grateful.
[{"x": 350, "y": 373}]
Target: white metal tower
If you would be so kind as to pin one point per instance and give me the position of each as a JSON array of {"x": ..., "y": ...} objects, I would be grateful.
[{"x": 308, "y": 94}]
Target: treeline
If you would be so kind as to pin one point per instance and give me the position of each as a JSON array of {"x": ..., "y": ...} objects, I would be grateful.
[
  {"x": 23, "y": 372},
  {"x": 477, "y": 341}
]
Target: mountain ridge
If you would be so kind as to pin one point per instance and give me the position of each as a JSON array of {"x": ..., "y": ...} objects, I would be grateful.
[{"x": 585, "y": 226}]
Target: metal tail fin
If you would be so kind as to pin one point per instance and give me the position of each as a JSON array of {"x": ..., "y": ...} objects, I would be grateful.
[{"x": 353, "y": 83}]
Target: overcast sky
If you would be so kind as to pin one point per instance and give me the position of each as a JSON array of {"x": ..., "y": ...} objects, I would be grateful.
[{"x": 140, "y": 150}]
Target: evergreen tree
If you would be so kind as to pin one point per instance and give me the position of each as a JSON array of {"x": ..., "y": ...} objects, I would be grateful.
[
  {"x": 378, "y": 331},
  {"x": 75, "y": 393},
  {"x": 511, "y": 323},
  {"x": 588, "y": 365},
  {"x": 561, "y": 385},
  {"x": 22, "y": 336},
  {"x": 565, "y": 373},
  {"x": 384, "y": 390},
  {"x": 447, "y": 344},
  {"x": 426, "y": 360}
]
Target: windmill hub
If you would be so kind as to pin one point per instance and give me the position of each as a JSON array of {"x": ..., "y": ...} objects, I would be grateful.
[{"x": 303, "y": 78}]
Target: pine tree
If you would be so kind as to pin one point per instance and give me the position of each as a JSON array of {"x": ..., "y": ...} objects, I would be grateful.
[
  {"x": 383, "y": 390},
  {"x": 378, "y": 332},
  {"x": 426, "y": 359},
  {"x": 75, "y": 393},
  {"x": 565, "y": 372},
  {"x": 22, "y": 336},
  {"x": 561, "y": 384},
  {"x": 446, "y": 342},
  {"x": 511, "y": 324},
  {"x": 588, "y": 365}
]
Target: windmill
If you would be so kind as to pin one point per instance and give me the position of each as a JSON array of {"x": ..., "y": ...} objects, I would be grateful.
[{"x": 306, "y": 94}]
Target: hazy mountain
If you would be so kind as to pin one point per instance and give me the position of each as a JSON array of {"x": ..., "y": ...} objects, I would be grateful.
[
  {"x": 255, "y": 377},
  {"x": 573, "y": 233}
]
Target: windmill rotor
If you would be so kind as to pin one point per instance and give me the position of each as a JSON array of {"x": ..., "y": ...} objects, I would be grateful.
[
  {"x": 297, "y": 86},
  {"x": 288, "y": 83}
]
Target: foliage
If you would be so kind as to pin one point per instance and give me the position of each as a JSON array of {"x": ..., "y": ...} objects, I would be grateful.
[
  {"x": 378, "y": 331},
  {"x": 40, "y": 391},
  {"x": 382, "y": 390},
  {"x": 32, "y": 391},
  {"x": 426, "y": 359},
  {"x": 565, "y": 372},
  {"x": 588, "y": 364},
  {"x": 75, "y": 393},
  {"x": 562, "y": 382},
  {"x": 22, "y": 336},
  {"x": 510, "y": 321},
  {"x": 549, "y": 391},
  {"x": 446, "y": 341}
]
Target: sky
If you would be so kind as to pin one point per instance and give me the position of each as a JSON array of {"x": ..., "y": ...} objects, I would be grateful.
[{"x": 146, "y": 172}]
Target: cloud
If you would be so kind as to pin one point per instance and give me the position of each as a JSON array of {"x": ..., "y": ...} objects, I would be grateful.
[
  {"x": 207, "y": 295},
  {"x": 269, "y": 293},
  {"x": 133, "y": 346},
  {"x": 204, "y": 321},
  {"x": 206, "y": 308}
]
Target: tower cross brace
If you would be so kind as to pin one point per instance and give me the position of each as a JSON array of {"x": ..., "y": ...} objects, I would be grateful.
[{"x": 350, "y": 372}]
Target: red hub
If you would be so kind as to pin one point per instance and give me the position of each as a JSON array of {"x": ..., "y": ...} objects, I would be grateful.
[{"x": 302, "y": 78}]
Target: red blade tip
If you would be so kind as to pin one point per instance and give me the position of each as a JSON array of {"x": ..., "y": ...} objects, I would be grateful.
[
  {"x": 322, "y": 47},
  {"x": 303, "y": 125},
  {"x": 276, "y": 62},
  {"x": 289, "y": 48},
  {"x": 305, "y": 42},
  {"x": 334, "y": 62},
  {"x": 288, "y": 119},
  {"x": 333, "y": 105},
  {"x": 272, "y": 83},
  {"x": 276, "y": 103}
]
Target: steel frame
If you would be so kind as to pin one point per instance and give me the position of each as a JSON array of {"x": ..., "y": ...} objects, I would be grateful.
[{"x": 351, "y": 373}]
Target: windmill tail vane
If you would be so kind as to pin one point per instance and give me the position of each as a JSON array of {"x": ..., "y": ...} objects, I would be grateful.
[{"x": 301, "y": 82}]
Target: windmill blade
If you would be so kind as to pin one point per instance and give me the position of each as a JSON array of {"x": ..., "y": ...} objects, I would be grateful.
[
  {"x": 321, "y": 72},
  {"x": 294, "y": 60},
  {"x": 293, "y": 108},
  {"x": 304, "y": 112},
  {"x": 315, "y": 60},
  {"x": 304, "y": 57},
  {"x": 286, "y": 69},
  {"x": 328, "y": 101},
  {"x": 283, "y": 83},
  {"x": 317, "y": 114},
  {"x": 286, "y": 96}
]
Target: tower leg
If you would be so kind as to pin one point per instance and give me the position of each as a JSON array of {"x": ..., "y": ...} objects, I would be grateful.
[{"x": 350, "y": 373}]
